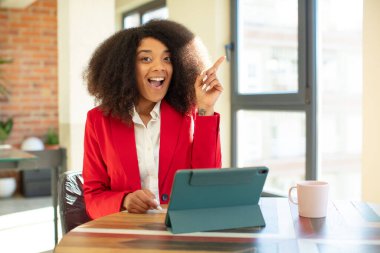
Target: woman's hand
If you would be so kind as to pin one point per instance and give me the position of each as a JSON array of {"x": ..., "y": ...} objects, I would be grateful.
[
  {"x": 140, "y": 201},
  {"x": 208, "y": 89}
]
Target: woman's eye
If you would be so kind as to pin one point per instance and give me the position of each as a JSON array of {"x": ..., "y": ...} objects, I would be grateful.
[
  {"x": 146, "y": 59},
  {"x": 168, "y": 59}
]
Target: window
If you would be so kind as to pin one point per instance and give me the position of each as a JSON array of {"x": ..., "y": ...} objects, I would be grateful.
[
  {"x": 339, "y": 82},
  {"x": 144, "y": 13},
  {"x": 279, "y": 118},
  {"x": 269, "y": 61}
]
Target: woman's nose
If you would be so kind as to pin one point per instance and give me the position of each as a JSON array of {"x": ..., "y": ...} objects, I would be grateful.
[{"x": 158, "y": 65}]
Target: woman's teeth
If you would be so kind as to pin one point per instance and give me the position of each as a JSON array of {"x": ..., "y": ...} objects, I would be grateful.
[{"x": 156, "y": 81}]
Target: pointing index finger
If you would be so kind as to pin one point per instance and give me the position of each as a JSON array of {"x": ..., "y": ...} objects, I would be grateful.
[{"x": 218, "y": 62}]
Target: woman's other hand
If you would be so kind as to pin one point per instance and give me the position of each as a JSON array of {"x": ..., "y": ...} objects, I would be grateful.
[
  {"x": 140, "y": 201},
  {"x": 208, "y": 89}
]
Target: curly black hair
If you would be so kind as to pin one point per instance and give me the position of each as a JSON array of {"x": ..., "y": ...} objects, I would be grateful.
[{"x": 111, "y": 71}]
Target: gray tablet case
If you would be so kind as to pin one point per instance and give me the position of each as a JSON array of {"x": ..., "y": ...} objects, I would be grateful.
[{"x": 215, "y": 199}]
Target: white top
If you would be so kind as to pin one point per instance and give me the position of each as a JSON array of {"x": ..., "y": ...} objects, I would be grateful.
[{"x": 148, "y": 146}]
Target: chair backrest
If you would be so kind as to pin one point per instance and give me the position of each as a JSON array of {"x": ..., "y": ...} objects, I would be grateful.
[{"x": 72, "y": 208}]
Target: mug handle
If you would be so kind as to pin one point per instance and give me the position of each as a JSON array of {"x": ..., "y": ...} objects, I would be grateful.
[{"x": 290, "y": 195}]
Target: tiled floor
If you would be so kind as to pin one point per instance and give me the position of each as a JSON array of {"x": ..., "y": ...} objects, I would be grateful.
[{"x": 26, "y": 225}]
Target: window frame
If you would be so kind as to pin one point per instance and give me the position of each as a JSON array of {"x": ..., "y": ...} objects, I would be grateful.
[
  {"x": 141, "y": 10},
  {"x": 304, "y": 100}
]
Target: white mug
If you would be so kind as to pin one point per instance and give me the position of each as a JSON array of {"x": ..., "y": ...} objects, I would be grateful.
[{"x": 312, "y": 198}]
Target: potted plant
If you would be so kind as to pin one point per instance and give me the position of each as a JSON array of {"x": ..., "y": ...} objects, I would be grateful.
[
  {"x": 51, "y": 139},
  {"x": 6, "y": 125},
  {"x": 8, "y": 184},
  {"x": 5, "y": 129}
]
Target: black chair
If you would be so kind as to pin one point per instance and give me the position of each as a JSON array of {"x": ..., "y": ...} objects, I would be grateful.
[{"x": 71, "y": 201}]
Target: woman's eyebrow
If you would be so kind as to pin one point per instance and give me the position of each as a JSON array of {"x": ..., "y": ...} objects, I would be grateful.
[
  {"x": 150, "y": 51},
  {"x": 144, "y": 51}
]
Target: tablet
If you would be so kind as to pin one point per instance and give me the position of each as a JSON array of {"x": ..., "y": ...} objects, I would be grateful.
[{"x": 214, "y": 199}]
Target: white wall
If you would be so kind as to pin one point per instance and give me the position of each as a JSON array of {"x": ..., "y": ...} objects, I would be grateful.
[
  {"x": 82, "y": 25},
  {"x": 371, "y": 102}
]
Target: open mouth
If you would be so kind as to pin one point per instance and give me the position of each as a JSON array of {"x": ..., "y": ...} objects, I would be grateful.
[{"x": 156, "y": 81}]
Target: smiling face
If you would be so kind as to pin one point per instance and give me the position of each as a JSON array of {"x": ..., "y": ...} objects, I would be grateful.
[{"x": 153, "y": 72}]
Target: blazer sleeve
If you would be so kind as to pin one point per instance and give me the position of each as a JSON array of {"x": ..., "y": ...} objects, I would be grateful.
[
  {"x": 99, "y": 198},
  {"x": 206, "y": 151}
]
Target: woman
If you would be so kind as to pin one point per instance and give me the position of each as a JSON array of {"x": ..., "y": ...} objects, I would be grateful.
[{"x": 155, "y": 116}]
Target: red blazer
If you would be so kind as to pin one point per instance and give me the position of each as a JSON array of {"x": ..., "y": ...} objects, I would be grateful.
[{"x": 110, "y": 167}]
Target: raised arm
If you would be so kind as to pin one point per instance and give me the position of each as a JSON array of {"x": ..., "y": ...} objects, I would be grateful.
[{"x": 206, "y": 151}]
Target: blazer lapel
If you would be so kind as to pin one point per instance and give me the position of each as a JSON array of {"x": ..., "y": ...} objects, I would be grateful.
[
  {"x": 171, "y": 122},
  {"x": 123, "y": 137}
]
